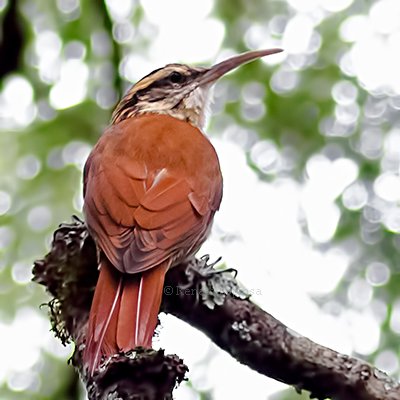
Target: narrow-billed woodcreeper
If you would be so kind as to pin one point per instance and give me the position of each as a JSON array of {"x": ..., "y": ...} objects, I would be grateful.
[{"x": 152, "y": 185}]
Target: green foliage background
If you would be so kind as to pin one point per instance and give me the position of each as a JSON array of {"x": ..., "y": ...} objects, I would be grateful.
[{"x": 55, "y": 184}]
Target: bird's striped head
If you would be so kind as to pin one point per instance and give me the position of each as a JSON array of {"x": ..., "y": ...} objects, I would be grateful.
[
  {"x": 178, "y": 90},
  {"x": 169, "y": 90}
]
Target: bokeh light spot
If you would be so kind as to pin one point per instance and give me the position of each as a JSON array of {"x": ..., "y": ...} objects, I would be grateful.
[
  {"x": 39, "y": 218},
  {"x": 16, "y": 102},
  {"x": 387, "y": 186},
  {"x": 378, "y": 274},
  {"x": 245, "y": 138},
  {"x": 75, "y": 49},
  {"x": 100, "y": 43},
  {"x": 6, "y": 236},
  {"x": 297, "y": 35},
  {"x": 371, "y": 142},
  {"x": 22, "y": 381},
  {"x": 185, "y": 392},
  {"x": 3, "y": 4},
  {"x": 5, "y": 202},
  {"x": 336, "y": 5},
  {"x": 284, "y": 81},
  {"x": 391, "y": 160},
  {"x": 106, "y": 97},
  {"x": 156, "y": 10},
  {"x": 387, "y": 361},
  {"x": 359, "y": 293},
  {"x": 385, "y": 16},
  {"x": 45, "y": 111},
  {"x": 76, "y": 153},
  {"x": 253, "y": 112},
  {"x": 48, "y": 47},
  {"x": 344, "y": 92},
  {"x": 392, "y": 219},
  {"x": 359, "y": 324},
  {"x": 28, "y": 167},
  {"x": 395, "y": 317},
  {"x": 190, "y": 20},
  {"x": 347, "y": 114},
  {"x": 253, "y": 92},
  {"x": 123, "y": 32},
  {"x": 379, "y": 309},
  {"x": 120, "y": 10},
  {"x": 21, "y": 272},
  {"x": 22, "y": 354},
  {"x": 72, "y": 85},
  {"x": 354, "y": 28},
  {"x": 304, "y": 5},
  {"x": 322, "y": 220},
  {"x": 265, "y": 156},
  {"x": 326, "y": 181},
  {"x": 258, "y": 36},
  {"x": 355, "y": 196},
  {"x": 68, "y": 6},
  {"x": 55, "y": 158},
  {"x": 277, "y": 24},
  {"x": 18, "y": 93}
]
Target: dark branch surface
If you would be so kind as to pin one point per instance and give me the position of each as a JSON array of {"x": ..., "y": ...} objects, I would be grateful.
[
  {"x": 69, "y": 272},
  {"x": 211, "y": 301},
  {"x": 257, "y": 339}
]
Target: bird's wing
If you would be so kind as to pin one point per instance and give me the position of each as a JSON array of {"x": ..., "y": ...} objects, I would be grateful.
[{"x": 141, "y": 218}]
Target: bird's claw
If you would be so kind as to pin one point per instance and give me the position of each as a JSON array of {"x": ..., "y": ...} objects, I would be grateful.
[
  {"x": 204, "y": 269},
  {"x": 212, "y": 285}
]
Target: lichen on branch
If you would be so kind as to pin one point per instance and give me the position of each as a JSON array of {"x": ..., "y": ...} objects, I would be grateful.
[
  {"x": 210, "y": 300},
  {"x": 69, "y": 273}
]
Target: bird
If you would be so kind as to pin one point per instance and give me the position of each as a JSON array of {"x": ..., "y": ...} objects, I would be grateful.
[{"x": 151, "y": 185}]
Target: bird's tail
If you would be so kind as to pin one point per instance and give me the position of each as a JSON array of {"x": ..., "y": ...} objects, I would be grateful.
[{"x": 123, "y": 313}]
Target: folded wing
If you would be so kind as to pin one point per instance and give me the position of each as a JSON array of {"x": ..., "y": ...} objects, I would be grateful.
[{"x": 141, "y": 217}]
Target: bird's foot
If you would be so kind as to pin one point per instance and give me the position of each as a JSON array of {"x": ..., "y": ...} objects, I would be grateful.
[
  {"x": 204, "y": 269},
  {"x": 213, "y": 285}
]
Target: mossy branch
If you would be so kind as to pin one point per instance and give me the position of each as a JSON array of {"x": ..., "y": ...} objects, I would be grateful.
[{"x": 211, "y": 301}]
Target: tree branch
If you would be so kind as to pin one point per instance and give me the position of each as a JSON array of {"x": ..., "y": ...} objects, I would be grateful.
[
  {"x": 69, "y": 273},
  {"x": 213, "y": 302}
]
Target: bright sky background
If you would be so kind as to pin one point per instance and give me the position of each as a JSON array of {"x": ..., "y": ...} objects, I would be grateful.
[{"x": 285, "y": 280}]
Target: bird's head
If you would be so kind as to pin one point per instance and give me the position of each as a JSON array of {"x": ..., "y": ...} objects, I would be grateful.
[{"x": 179, "y": 90}]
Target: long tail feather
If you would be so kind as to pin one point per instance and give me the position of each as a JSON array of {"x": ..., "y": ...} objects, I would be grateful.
[
  {"x": 126, "y": 319},
  {"x": 104, "y": 305},
  {"x": 139, "y": 307},
  {"x": 124, "y": 311},
  {"x": 149, "y": 301}
]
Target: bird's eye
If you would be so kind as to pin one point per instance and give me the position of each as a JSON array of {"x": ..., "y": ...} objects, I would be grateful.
[{"x": 176, "y": 77}]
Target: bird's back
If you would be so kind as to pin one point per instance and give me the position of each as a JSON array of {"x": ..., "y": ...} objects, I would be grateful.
[{"x": 153, "y": 176}]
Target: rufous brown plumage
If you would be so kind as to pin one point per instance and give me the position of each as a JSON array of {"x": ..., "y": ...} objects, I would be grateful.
[{"x": 152, "y": 185}]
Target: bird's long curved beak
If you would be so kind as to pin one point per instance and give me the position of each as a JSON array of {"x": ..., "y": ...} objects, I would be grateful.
[{"x": 216, "y": 71}]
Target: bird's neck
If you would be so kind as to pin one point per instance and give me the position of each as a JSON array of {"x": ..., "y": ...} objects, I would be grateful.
[{"x": 192, "y": 108}]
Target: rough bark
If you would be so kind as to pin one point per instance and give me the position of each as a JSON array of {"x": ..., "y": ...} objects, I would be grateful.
[
  {"x": 211, "y": 301},
  {"x": 69, "y": 273}
]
